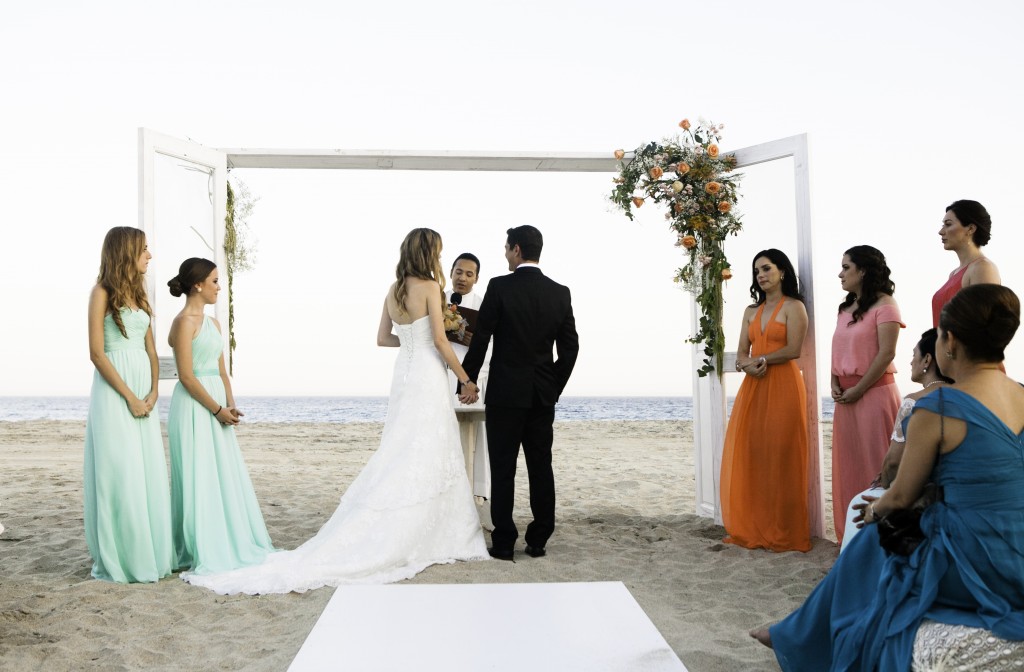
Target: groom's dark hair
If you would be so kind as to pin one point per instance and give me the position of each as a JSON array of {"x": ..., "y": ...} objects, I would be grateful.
[
  {"x": 529, "y": 240},
  {"x": 468, "y": 256}
]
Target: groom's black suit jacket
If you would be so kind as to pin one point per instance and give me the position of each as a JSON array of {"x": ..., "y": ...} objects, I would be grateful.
[{"x": 526, "y": 313}]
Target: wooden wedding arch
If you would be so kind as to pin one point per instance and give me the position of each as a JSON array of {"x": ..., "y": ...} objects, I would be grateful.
[{"x": 199, "y": 231}]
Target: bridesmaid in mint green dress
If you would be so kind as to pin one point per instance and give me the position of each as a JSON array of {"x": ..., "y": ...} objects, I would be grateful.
[
  {"x": 216, "y": 519},
  {"x": 127, "y": 503}
]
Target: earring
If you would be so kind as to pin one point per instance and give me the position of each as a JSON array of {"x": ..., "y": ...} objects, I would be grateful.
[
  {"x": 925, "y": 370},
  {"x": 199, "y": 289}
]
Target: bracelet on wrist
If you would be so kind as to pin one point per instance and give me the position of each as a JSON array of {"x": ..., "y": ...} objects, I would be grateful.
[{"x": 219, "y": 409}]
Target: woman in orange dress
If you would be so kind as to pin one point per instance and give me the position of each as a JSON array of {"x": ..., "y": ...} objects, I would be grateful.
[
  {"x": 764, "y": 463},
  {"x": 863, "y": 386}
]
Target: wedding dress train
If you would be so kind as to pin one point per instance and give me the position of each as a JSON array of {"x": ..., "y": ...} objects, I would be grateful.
[{"x": 409, "y": 508}]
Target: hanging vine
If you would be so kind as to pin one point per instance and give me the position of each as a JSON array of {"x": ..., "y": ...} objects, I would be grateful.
[{"x": 239, "y": 250}]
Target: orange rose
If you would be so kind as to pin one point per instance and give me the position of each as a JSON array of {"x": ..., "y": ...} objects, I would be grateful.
[
  {"x": 713, "y": 151},
  {"x": 689, "y": 242},
  {"x": 726, "y": 274},
  {"x": 713, "y": 187},
  {"x": 619, "y": 153},
  {"x": 656, "y": 172},
  {"x": 678, "y": 207},
  {"x": 637, "y": 201},
  {"x": 724, "y": 206},
  {"x": 682, "y": 169},
  {"x": 684, "y": 124}
]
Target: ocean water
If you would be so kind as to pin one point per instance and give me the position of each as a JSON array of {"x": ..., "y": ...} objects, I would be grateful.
[{"x": 368, "y": 409}]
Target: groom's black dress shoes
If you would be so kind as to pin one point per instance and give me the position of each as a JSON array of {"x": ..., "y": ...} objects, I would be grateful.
[
  {"x": 535, "y": 552},
  {"x": 499, "y": 554}
]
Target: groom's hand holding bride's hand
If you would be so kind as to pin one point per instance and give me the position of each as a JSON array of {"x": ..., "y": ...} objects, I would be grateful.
[{"x": 470, "y": 393}]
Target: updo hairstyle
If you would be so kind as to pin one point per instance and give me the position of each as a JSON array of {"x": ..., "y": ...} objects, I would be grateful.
[
  {"x": 192, "y": 272},
  {"x": 984, "y": 319},
  {"x": 926, "y": 346},
  {"x": 972, "y": 212}
]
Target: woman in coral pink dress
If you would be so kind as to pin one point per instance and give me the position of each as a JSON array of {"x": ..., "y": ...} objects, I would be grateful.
[
  {"x": 764, "y": 463},
  {"x": 863, "y": 387},
  {"x": 966, "y": 228}
]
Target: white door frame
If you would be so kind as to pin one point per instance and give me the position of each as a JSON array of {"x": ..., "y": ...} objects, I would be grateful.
[
  {"x": 709, "y": 402},
  {"x": 709, "y": 395},
  {"x": 210, "y": 160}
]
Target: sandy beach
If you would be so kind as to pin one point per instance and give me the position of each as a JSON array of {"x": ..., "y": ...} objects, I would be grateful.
[{"x": 626, "y": 497}]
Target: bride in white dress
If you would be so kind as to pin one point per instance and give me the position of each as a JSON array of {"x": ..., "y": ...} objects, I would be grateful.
[{"x": 411, "y": 506}]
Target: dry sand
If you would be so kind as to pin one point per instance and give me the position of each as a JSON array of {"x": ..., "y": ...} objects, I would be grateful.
[{"x": 626, "y": 493}]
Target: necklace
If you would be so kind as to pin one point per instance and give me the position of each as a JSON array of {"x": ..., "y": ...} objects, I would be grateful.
[{"x": 934, "y": 382}]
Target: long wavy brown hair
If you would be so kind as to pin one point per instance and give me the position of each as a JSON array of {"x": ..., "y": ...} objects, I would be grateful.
[
  {"x": 119, "y": 272},
  {"x": 876, "y": 279},
  {"x": 419, "y": 257}
]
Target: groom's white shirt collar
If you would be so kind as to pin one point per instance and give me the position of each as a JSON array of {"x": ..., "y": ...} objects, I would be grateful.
[{"x": 527, "y": 264}]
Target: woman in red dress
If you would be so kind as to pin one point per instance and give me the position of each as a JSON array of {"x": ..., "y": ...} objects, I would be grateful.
[{"x": 966, "y": 228}]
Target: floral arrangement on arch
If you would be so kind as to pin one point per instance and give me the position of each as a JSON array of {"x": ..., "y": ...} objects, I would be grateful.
[{"x": 691, "y": 177}]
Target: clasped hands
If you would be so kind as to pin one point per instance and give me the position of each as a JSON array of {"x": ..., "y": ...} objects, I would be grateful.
[
  {"x": 849, "y": 396},
  {"x": 753, "y": 367},
  {"x": 233, "y": 415},
  {"x": 470, "y": 393},
  {"x": 141, "y": 408}
]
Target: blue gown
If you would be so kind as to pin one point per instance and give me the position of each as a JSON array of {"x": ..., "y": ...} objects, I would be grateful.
[{"x": 969, "y": 570}]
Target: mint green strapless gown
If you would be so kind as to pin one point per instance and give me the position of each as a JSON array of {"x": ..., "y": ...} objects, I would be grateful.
[
  {"x": 127, "y": 502},
  {"x": 218, "y": 525}
]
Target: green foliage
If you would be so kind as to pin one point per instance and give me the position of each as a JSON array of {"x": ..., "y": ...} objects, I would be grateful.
[{"x": 239, "y": 249}]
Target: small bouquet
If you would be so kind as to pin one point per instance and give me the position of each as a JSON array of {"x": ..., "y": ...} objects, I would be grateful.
[{"x": 455, "y": 324}]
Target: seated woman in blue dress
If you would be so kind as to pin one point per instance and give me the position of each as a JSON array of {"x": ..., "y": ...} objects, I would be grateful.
[{"x": 969, "y": 570}]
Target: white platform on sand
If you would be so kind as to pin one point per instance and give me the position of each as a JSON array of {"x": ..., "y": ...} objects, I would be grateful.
[{"x": 542, "y": 626}]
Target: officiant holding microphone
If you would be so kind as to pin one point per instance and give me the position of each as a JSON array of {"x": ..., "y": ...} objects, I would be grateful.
[{"x": 465, "y": 274}]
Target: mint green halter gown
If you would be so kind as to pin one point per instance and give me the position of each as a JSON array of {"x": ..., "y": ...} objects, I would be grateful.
[
  {"x": 127, "y": 503},
  {"x": 218, "y": 525}
]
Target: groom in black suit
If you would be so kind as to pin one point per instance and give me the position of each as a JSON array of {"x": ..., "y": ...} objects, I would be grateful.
[{"x": 527, "y": 313}]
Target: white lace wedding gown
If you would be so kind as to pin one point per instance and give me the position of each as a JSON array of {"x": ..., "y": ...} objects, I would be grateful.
[{"x": 409, "y": 508}]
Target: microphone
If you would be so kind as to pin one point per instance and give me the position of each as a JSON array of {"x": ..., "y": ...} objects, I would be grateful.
[{"x": 456, "y": 298}]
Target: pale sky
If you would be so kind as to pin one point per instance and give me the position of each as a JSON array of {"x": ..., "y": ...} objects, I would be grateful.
[{"x": 908, "y": 106}]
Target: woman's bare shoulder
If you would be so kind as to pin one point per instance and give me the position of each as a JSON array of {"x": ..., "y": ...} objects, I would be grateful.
[
  {"x": 98, "y": 293},
  {"x": 980, "y": 272},
  {"x": 794, "y": 306}
]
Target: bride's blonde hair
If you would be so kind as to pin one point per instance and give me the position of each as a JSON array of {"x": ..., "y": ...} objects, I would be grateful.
[
  {"x": 419, "y": 257},
  {"x": 119, "y": 272}
]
